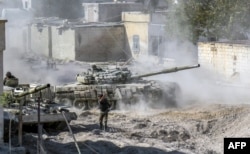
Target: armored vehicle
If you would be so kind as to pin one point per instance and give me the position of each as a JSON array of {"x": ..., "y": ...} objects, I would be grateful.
[
  {"x": 121, "y": 87},
  {"x": 28, "y": 106}
]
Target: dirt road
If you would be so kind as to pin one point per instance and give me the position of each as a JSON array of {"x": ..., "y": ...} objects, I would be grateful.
[{"x": 191, "y": 129}]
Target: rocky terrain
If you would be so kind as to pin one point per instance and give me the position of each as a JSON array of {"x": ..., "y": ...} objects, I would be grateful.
[{"x": 191, "y": 129}]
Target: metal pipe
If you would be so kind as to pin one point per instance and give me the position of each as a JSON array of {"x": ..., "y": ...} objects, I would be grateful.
[
  {"x": 34, "y": 90},
  {"x": 170, "y": 70}
]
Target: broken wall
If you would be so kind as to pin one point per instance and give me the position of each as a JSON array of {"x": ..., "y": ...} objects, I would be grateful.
[{"x": 100, "y": 43}]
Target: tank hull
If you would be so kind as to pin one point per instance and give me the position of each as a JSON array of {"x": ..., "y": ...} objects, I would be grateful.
[{"x": 152, "y": 93}]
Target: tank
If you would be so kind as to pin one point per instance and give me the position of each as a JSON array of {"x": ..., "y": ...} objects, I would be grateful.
[
  {"x": 121, "y": 88},
  {"x": 30, "y": 105}
]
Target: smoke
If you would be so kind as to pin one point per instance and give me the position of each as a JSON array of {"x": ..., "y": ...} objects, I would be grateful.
[
  {"x": 199, "y": 85},
  {"x": 52, "y": 8},
  {"x": 18, "y": 59}
]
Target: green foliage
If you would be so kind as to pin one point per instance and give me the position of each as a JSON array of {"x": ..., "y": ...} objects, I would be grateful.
[
  {"x": 211, "y": 18},
  {"x": 177, "y": 25},
  {"x": 5, "y": 98}
]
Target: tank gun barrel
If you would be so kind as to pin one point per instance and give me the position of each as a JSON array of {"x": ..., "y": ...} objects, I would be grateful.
[
  {"x": 33, "y": 90},
  {"x": 169, "y": 70}
]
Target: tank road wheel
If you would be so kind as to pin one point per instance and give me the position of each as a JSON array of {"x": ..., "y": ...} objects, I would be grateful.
[
  {"x": 66, "y": 101},
  {"x": 92, "y": 105},
  {"x": 80, "y": 104}
]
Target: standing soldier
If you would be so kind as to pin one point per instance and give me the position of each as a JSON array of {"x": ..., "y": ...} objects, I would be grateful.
[{"x": 104, "y": 109}]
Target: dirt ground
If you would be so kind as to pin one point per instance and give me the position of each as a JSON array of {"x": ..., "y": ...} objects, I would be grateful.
[{"x": 191, "y": 129}]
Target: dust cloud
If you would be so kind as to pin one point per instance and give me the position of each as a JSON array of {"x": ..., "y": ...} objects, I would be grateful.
[
  {"x": 197, "y": 85},
  {"x": 138, "y": 129}
]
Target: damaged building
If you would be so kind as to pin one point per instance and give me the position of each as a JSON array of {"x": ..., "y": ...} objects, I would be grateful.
[
  {"x": 77, "y": 41},
  {"x": 105, "y": 31},
  {"x": 145, "y": 33},
  {"x": 138, "y": 34}
]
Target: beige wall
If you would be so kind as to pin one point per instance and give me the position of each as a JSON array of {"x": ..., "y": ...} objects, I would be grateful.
[
  {"x": 84, "y": 43},
  {"x": 232, "y": 60},
  {"x": 63, "y": 43},
  {"x": 100, "y": 43},
  {"x": 137, "y": 24},
  {"x": 39, "y": 42}
]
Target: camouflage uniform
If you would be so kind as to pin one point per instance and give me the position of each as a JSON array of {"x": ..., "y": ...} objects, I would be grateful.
[
  {"x": 10, "y": 80},
  {"x": 104, "y": 109}
]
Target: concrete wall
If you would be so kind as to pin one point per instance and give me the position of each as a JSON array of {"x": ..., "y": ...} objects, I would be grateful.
[
  {"x": 97, "y": 42},
  {"x": 137, "y": 24},
  {"x": 230, "y": 59},
  {"x": 91, "y": 12},
  {"x": 39, "y": 41},
  {"x": 63, "y": 43},
  {"x": 101, "y": 43}
]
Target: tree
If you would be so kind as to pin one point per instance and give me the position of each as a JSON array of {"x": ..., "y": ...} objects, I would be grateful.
[
  {"x": 212, "y": 18},
  {"x": 177, "y": 25}
]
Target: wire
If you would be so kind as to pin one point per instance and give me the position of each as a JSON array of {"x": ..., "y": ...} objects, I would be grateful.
[{"x": 75, "y": 138}]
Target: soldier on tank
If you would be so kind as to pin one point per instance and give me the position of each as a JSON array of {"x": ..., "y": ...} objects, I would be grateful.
[
  {"x": 10, "y": 80},
  {"x": 104, "y": 107},
  {"x": 96, "y": 69}
]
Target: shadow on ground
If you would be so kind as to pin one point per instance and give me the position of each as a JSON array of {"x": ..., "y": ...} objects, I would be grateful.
[
  {"x": 89, "y": 147},
  {"x": 101, "y": 147}
]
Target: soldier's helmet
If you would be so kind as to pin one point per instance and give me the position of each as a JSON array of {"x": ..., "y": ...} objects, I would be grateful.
[
  {"x": 8, "y": 74},
  {"x": 94, "y": 67}
]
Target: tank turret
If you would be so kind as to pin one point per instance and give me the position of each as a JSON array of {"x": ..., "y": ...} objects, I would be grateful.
[{"x": 120, "y": 75}]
